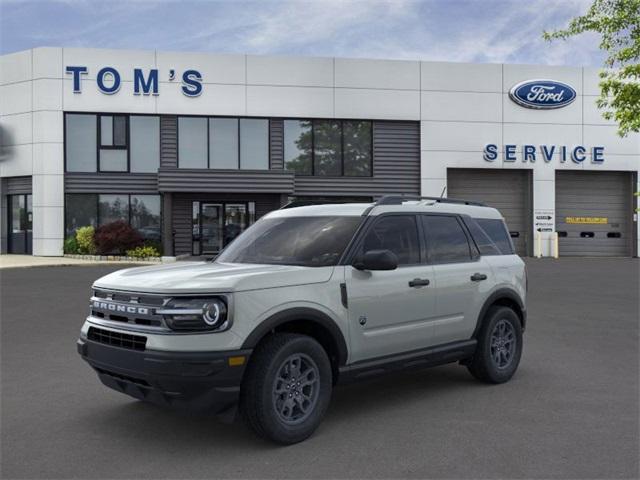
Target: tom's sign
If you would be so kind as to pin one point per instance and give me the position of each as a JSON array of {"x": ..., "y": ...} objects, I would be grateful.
[
  {"x": 542, "y": 94},
  {"x": 108, "y": 80}
]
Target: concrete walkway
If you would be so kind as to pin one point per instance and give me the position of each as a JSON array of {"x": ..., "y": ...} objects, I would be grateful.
[{"x": 23, "y": 261}]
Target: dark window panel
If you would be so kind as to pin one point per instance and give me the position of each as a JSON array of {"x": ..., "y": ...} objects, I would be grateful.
[
  {"x": 357, "y": 148},
  {"x": 81, "y": 210},
  {"x": 397, "y": 233},
  {"x": 297, "y": 146},
  {"x": 120, "y": 131},
  {"x": 327, "y": 141},
  {"x": 112, "y": 208},
  {"x": 446, "y": 240},
  {"x": 145, "y": 216}
]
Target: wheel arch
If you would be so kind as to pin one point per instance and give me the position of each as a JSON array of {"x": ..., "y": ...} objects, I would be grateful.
[
  {"x": 308, "y": 321},
  {"x": 504, "y": 297}
]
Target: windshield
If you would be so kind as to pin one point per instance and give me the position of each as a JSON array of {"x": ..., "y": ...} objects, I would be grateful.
[{"x": 305, "y": 241}]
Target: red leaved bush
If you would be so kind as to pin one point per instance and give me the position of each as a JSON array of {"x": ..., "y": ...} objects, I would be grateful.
[{"x": 116, "y": 238}]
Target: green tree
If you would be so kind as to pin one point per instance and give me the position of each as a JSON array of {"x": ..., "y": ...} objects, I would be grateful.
[{"x": 618, "y": 23}]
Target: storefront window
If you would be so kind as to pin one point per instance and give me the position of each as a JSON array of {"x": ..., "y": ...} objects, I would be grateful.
[
  {"x": 192, "y": 142},
  {"x": 297, "y": 146},
  {"x": 223, "y": 142},
  {"x": 145, "y": 216},
  {"x": 112, "y": 208},
  {"x": 357, "y": 148},
  {"x": 145, "y": 144},
  {"x": 327, "y": 143},
  {"x": 254, "y": 144},
  {"x": 80, "y": 142},
  {"x": 80, "y": 211}
]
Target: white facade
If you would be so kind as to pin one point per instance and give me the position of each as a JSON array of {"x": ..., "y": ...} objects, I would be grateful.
[{"x": 461, "y": 107}]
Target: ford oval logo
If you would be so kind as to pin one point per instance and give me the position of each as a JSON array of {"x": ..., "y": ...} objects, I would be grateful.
[{"x": 542, "y": 94}]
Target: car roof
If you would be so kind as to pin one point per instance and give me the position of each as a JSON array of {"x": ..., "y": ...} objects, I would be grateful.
[{"x": 372, "y": 209}]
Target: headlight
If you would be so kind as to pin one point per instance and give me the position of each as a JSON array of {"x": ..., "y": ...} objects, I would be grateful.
[{"x": 196, "y": 314}]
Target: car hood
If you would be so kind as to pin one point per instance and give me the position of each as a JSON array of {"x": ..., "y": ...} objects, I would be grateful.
[{"x": 207, "y": 277}]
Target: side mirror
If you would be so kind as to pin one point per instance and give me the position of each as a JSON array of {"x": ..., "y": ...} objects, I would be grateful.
[{"x": 377, "y": 260}]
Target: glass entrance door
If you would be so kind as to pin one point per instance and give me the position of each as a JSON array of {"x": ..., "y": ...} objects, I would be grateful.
[
  {"x": 215, "y": 225},
  {"x": 20, "y": 224},
  {"x": 211, "y": 226}
]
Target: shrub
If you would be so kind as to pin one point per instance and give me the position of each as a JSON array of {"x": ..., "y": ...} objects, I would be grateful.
[
  {"x": 71, "y": 245},
  {"x": 85, "y": 240},
  {"x": 116, "y": 238},
  {"x": 145, "y": 251}
]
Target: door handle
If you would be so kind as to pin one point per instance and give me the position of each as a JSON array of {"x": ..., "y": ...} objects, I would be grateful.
[
  {"x": 477, "y": 277},
  {"x": 419, "y": 282}
]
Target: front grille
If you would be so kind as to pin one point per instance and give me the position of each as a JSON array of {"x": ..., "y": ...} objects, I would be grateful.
[
  {"x": 132, "y": 308},
  {"x": 117, "y": 339}
]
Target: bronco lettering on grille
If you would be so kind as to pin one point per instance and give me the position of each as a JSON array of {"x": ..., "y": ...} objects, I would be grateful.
[{"x": 116, "y": 307}]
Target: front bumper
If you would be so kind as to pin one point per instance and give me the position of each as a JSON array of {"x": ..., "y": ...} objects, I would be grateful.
[{"x": 203, "y": 381}]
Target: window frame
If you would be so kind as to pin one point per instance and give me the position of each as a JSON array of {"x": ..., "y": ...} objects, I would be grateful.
[
  {"x": 341, "y": 121},
  {"x": 98, "y": 116},
  {"x": 239, "y": 156}
]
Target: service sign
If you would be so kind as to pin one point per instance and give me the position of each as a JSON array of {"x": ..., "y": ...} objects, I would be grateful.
[{"x": 542, "y": 94}]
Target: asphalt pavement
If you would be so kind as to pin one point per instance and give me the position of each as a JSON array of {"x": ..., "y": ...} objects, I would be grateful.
[{"x": 571, "y": 411}]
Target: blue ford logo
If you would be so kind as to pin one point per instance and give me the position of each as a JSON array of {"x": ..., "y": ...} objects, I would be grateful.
[{"x": 542, "y": 94}]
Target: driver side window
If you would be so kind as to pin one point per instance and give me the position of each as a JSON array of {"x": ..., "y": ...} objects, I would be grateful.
[{"x": 397, "y": 233}]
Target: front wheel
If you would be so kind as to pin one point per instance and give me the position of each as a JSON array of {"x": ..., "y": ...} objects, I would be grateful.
[
  {"x": 287, "y": 388},
  {"x": 499, "y": 346}
]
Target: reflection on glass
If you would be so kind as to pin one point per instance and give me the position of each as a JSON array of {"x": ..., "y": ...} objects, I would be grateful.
[
  {"x": 112, "y": 208},
  {"x": 211, "y": 228},
  {"x": 328, "y": 148},
  {"x": 223, "y": 142},
  {"x": 297, "y": 146},
  {"x": 235, "y": 221},
  {"x": 81, "y": 210},
  {"x": 357, "y": 148},
  {"x": 80, "y": 142},
  {"x": 254, "y": 144},
  {"x": 145, "y": 216}
]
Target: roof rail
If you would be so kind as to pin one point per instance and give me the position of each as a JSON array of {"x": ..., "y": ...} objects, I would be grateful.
[
  {"x": 306, "y": 203},
  {"x": 399, "y": 199}
]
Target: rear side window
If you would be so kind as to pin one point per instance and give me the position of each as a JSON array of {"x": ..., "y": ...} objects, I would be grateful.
[
  {"x": 485, "y": 245},
  {"x": 446, "y": 240},
  {"x": 398, "y": 233},
  {"x": 497, "y": 231}
]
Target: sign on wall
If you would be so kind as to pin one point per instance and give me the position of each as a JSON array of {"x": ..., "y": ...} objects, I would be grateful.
[
  {"x": 544, "y": 220},
  {"x": 544, "y": 153},
  {"x": 109, "y": 81},
  {"x": 542, "y": 94},
  {"x": 587, "y": 220}
]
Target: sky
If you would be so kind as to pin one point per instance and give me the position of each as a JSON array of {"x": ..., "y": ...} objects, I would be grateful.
[{"x": 486, "y": 31}]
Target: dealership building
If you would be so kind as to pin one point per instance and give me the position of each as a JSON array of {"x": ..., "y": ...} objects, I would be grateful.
[{"x": 191, "y": 148}]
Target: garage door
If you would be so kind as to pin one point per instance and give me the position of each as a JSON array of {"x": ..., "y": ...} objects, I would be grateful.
[
  {"x": 593, "y": 213},
  {"x": 506, "y": 190}
]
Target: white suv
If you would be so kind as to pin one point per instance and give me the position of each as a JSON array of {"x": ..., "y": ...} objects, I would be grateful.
[{"x": 309, "y": 297}]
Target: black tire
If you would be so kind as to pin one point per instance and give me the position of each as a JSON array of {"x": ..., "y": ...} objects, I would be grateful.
[
  {"x": 495, "y": 364},
  {"x": 264, "y": 409}
]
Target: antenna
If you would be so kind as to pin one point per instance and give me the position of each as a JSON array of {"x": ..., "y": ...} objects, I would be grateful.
[{"x": 443, "y": 190}]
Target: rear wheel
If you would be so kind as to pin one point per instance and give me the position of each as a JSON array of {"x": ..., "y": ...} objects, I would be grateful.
[
  {"x": 499, "y": 346},
  {"x": 287, "y": 388}
]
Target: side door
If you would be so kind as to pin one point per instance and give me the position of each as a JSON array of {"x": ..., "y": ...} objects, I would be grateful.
[
  {"x": 390, "y": 311},
  {"x": 462, "y": 278}
]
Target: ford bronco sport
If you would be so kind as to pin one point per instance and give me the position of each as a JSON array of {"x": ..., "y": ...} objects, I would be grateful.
[{"x": 309, "y": 297}]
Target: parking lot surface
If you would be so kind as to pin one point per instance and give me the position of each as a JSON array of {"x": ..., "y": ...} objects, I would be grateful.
[{"x": 571, "y": 411}]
